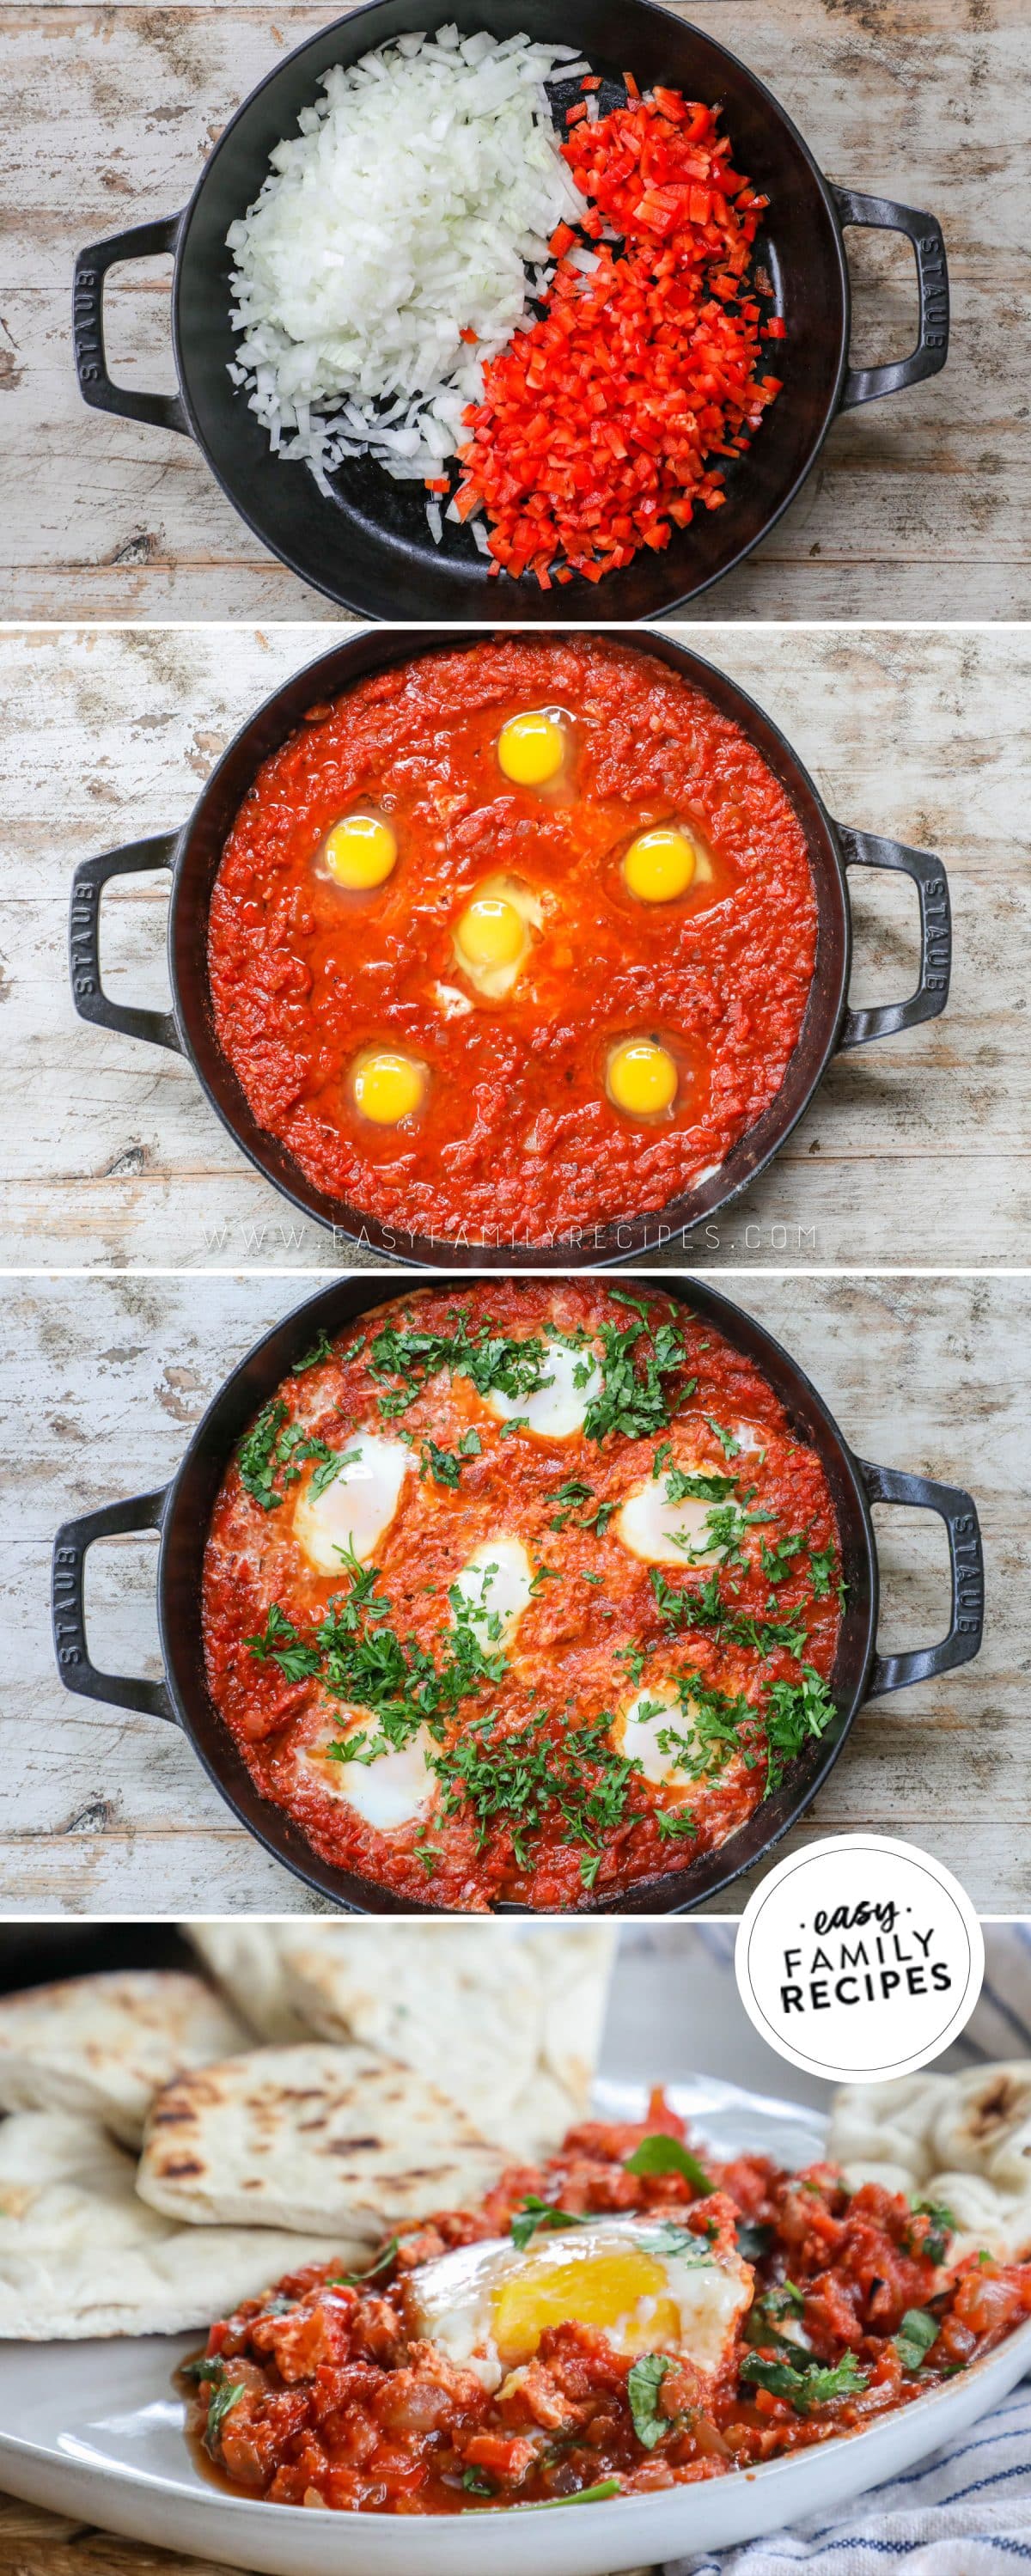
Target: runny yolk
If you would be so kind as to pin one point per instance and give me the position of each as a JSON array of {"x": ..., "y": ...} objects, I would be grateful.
[
  {"x": 660, "y": 864},
  {"x": 360, "y": 851},
  {"x": 601, "y": 2290},
  {"x": 531, "y": 749},
  {"x": 490, "y": 931},
  {"x": 642, "y": 1077},
  {"x": 388, "y": 1087}
]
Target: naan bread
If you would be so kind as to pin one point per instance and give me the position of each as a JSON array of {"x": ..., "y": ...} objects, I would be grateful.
[
  {"x": 106, "y": 2045},
  {"x": 509, "y": 2025},
  {"x": 311, "y": 2137},
  {"x": 80, "y": 2255},
  {"x": 248, "y": 1961},
  {"x": 959, "y": 2142}
]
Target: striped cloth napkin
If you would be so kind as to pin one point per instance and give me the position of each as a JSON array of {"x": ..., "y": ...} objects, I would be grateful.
[{"x": 962, "y": 2512}]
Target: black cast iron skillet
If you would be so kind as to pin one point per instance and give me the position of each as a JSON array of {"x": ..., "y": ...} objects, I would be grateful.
[
  {"x": 182, "y": 1513},
  {"x": 369, "y": 546},
  {"x": 193, "y": 855}
]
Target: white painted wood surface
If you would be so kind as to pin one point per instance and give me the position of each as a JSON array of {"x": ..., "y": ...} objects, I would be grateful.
[
  {"x": 915, "y": 1151},
  {"x": 919, "y": 506},
  {"x": 101, "y": 1383}
]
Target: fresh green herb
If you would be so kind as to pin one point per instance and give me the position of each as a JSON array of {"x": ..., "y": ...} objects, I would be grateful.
[
  {"x": 225, "y": 2396},
  {"x": 672, "y": 1821},
  {"x": 792, "y": 1713},
  {"x": 209, "y": 2366},
  {"x": 935, "y": 2239},
  {"x": 667, "y": 2238},
  {"x": 729, "y": 1445},
  {"x": 446, "y": 1464},
  {"x": 629, "y": 1402},
  {"x": 381, "y": 2263},
  {"x": 568, "y": 1497},
  {"x": 821, "y": 1570},
  {"x": 807, "y": 2385},
  {"x": 280, "y": 1643},
  {"x": 491, "y": 1361},
  {"x": 754, "y": 2241},
  {"x": 682, "y": 1487},
  {"x": 917, "y": 2332},
  {"x": 584, "y": 2495},
  {"x": 662, "y": 2154},
  {"x": 518, "y": 1780},
  {"x": 779, "y": 1562},
  {"x": 476, "y": 2483},
  {"x": 255, "y": 1456},
  {"x": 322, "y": 1349},
  {"x": 703, "y": 1606},
  {"x": 534, "y": 2213},
  {"x": 515, "y": 1422},
  {"x": 642, "y": 2389},
  {"x": 331, "y": 1461}
]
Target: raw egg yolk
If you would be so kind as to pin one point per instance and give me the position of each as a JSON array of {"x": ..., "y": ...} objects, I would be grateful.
[
  {"x": 360, "y": 851},
  {"x": 531, "y": 749},
  {"x": 660, "y": 864},
  {"x": 388, "y": 1087},
  {"x": 599, "y": 2292},
  {"x": 642, "y": 1077},
  {"x": 490, "y": 931}
]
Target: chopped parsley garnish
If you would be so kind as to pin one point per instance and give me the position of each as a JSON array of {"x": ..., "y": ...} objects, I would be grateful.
[
  {"x": 754, "y": 2240},
  {"x": 209, "y": 2366},
  {"x": 521, "y": 1779},
  {"x": 642, "y": 2389},
  {"x": 583, "y": 2495},
  {"x": 672, "y": 1821},
  {"x": 491, "y": 1361},
  {"x": 446, "y": 1464},
  {"x": 807, "y": 2384},
  {"x": 666, "y": 2238},
  {"x": 223, "y": 2397},
  {"x": 275, "y": 1447},
  {"x": 255, "y": 1456},
  {"x": 779, "y": 1562},
  {"x": 380, "y": 2263},
  {"x": 630, "y": 1402},
  {"x": 534, "y": 2213},
  {"x": 682, "y": 1487},
  {"x": 322, "y": 1349},
  {"x": 729, "y": 1445},
  {"x": 476, "y": 2484},
  {"x": 933, "y": 2244},
  {"x": 793, "y": 1712},
  {"x": 917, "y": 2332},
  {"x": 568, "y": 1497},
  {"x": 662, "y": 2154},
  {"x": 821, "y": 1570},
  {"x": 280, "y": 1643}
]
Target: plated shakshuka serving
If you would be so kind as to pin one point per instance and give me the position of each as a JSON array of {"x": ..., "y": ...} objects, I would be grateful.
[
  {"x": 621, "y": 2318},
  {"x": 524, "y": 1593},
  {"x": 515, "y": 938}
]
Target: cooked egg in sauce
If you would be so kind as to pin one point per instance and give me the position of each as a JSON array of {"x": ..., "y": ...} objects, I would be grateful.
[
  {"x": 495, "y": 1584},
  {"x": 532, "y": 747},
  {"x": 351, "y": 1515},
  {"x": 360, "y": 851},
  {"x": 636, "y": 1732},
  {"x": 557, "y": 1410},
  {"x": 487, "y": 2306},
  {"x": 386, "y": 1792},
  {"x": 662, "y": 1532},
  {"x": 387, "y": 1085},
  {"x": 492, "y": 935},
  {"x": 660, "y": 864},
  {"x": 641, "y": 1078}
]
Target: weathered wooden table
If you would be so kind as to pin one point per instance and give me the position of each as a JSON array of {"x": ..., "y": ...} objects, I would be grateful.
[
  {"x": 919, "y": 506},
  {"x": 102, "y": 1381},
  {"x": 916, "y": 1150},
  {"x": 47, "y": 2544}
]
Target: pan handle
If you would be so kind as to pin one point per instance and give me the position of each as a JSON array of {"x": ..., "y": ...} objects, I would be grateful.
[
  {"x": 68, "y": 1617},
  {"x": 966, "y": 1559},
  {"x": 163, "y": 411},
  {"x": 881, "y": 214},
  {"x": 870, "y": 850},
  {"x": 88, "y": 995}
]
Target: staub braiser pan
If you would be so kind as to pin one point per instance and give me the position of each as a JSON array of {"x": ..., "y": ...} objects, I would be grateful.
[
  {"x": 368, "y": 543},
  {"x": 181, "y": 1512},
  {"x": 193, "y": 853}
]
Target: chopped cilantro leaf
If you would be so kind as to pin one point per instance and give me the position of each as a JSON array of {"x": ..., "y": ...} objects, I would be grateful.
[
  {"x": 642, "y": 2389},
  {"x": 917, "y": 2332},
  {"x": 663, "y": 2154},
  {"x": 533, "y": 2214},
  {"x": 322, "y": 1349},
  {"x": 808, "y": 2385}
]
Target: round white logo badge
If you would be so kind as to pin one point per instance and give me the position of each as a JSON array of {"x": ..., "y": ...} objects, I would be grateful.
[{"x": 859, "y": 1958}]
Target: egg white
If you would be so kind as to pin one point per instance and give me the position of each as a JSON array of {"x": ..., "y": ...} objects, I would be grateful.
[
  {"x": 453, "y": 2301},
  {"x": 665, "y": 1533},
  {"x": 353, "y": 1513},
  {"x": 636, "y": 1737},
  {"x": 558, "y": 1410},
  {"x": 496, "y": 1582},
  {"x": 392, "y": 1790}
]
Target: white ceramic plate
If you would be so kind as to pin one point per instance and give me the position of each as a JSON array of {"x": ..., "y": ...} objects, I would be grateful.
[{"x": 95, "y": 2430}]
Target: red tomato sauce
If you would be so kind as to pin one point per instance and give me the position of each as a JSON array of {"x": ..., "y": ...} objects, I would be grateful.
[
  {"x": 530, "y": 1795},
  {"x": 516, "y": 1137},
  {"x": 337, "y": 2403}
]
